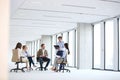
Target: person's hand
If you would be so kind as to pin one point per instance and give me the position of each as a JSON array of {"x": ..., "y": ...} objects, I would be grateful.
[
  {"x": 41, "y": 56},
  {"x": 44, "y": 56}
]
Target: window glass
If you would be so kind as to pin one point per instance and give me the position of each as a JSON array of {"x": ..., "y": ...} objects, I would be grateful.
[
  {"x": 97, "y": 45},
  {"x": 109, "y": 44}
]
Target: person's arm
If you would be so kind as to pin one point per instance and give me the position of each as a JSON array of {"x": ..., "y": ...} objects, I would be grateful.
[
  {"x": 46, "y": 53},
  {"x": 28, "y": 55},
  {"x": 61, "y": 45},
  {"x": 38, "y": 53},
  {"x": 64, "y": 53}
]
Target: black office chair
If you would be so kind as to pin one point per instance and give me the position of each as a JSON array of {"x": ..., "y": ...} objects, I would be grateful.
[
  {"x": 39, "y": 68},
  {"x": 17, "y": 68},
  {"x": 62, "y": 66}
]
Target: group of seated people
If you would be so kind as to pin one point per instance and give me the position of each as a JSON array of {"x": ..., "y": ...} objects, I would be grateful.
[{"x": 42, "y": 55}]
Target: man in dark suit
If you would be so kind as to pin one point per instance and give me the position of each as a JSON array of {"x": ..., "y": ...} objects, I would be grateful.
[{"x": 42, "y": 56}]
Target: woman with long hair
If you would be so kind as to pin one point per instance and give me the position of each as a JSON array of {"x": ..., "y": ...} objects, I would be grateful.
[{"x": 21, "y": 56}]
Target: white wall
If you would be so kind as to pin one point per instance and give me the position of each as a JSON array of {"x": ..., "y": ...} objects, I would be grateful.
[{"x": 84, "y": 46}]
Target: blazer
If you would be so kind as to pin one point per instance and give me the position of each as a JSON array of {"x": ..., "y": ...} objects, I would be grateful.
[{"x": 40, "y": 53}]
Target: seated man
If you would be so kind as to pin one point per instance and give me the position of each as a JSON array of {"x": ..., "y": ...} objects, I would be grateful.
[{"x": 42, "y": 56}]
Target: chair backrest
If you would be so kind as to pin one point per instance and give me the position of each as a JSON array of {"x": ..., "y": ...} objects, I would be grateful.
[{"x": 15, "y": 56}]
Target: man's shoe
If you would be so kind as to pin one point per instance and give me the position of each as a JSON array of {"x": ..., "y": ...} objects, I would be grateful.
[
  {"x": 41, "y": 69},
  {"x": 45, "y": 69}
]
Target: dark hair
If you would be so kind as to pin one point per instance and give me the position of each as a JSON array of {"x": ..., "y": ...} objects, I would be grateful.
[
  {"x": 18, "y": 45},
  {"x": 66, "y": 46},
  {"x": 23, "y": 46},
  {"x": 42, "y": 45},
  {"x": 60, "y": 37}
]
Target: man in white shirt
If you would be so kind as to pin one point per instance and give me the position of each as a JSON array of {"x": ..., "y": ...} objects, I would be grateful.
[{"x": 61, "y": 45}]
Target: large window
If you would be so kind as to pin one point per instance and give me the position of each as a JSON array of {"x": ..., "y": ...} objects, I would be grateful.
[
  {"x": 109, "y": 44},
  {"x": 38, "y": 44},
  {"x": 53, "y": 49},
  {"x": 35, "y": 47},
  {"x": 65, "y": 37},
  {"x": 29, "y": 45},
  {"x": 32, "y": 48},
  {"x": 97, "y": 45},
  {"x": 71, "y": 57}
]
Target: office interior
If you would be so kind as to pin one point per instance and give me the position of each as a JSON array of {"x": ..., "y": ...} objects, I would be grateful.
[{"x": 90, "y": 27}]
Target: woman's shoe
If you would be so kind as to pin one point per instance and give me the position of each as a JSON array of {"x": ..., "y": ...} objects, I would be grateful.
[
  {"x": 34, "y": 66},
  {"x": 53, "y": 68},
  {"x": 56, "y": 70}
]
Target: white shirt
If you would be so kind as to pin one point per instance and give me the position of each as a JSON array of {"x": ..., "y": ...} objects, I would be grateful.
[
  {"x": 66, "y": 53},
  {"x": 25, "y": 54},
  {"x": 21, "y": 53},
  {"x": 61, "y": 45},
  {"x": 43, "y": 52}
]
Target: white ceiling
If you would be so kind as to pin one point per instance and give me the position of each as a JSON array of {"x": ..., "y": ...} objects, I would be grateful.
[{"x": 32, "y": 18}]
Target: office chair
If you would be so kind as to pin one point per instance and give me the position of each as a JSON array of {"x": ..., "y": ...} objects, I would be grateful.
[
  {"x": 15, "y": 58},
  {"x": 62, "y": 66},
  {"x": 62, "y": 62},
  {"x": 39, "y": 68}
]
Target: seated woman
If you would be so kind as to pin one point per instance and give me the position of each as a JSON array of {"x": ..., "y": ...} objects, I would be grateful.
[
  {"x": 60, "y": 54},
  {"x": 22, "y": 58},
  {"x": 26, "y": 54},
  {"x": 67, "y": 51}
]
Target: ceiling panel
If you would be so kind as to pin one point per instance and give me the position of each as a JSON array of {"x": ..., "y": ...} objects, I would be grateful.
[{"x": 32, "y": 18}]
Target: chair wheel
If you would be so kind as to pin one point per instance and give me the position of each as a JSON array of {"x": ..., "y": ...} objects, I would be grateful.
[
  {"x": 22, "y": 70},
  {"x": 68, "y": 70},
  {"x": 10, "y": 70}
]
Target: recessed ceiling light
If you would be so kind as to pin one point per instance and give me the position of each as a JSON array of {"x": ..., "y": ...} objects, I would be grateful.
[
  {"x": 27, "y": 26},
  {"x": 88, "y": 7},
  {"x": 56, "y": 16},
  {"x": 41, "y": 20},
  {"x": 64, "y": 12},
  {"x": 113, "y": 1},
  {"x": 42, "y": 23},
  {"x": 49, "y": 11},
  {"x": 35, "y": 2}
]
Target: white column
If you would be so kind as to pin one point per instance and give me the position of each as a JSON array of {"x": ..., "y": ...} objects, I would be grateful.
[
  {"x": 78, "y": 46},
  {"x": 4, "y": 30},
  {"x": 84, "y": 46}
]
